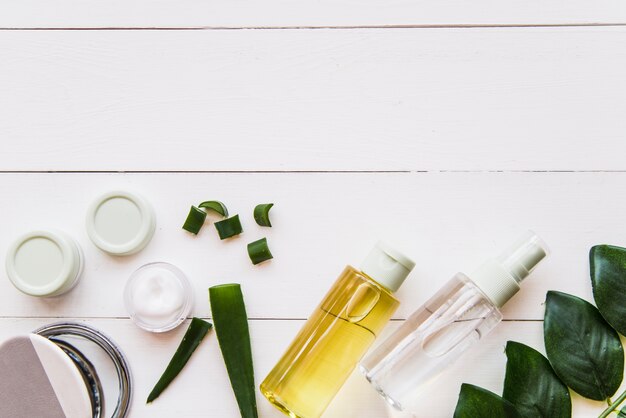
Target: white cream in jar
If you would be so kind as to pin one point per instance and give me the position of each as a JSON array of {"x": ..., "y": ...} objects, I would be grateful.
[{"x": 158, "y": 297}]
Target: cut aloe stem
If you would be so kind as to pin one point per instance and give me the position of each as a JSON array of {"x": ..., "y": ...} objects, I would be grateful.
[
  {"x": 194, "y": 335},
  {"x": 259, "y": 251},
  {"x": 262, "y": 214},
  {"x": 231, "y": 328},
  {"x": 229, "y": 227},
  {"x": 194, "y": 220},
  {"x": 215, "y": 206}
]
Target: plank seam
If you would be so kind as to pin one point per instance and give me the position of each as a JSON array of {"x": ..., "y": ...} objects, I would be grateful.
[
  {"x": 322, "y": 27},
  {"x": 297, "y": 171},
  {"x": 125, "y": 318}
]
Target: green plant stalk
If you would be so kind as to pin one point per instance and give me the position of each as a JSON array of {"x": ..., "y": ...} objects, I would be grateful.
[
  {"x": 229, "y": 227},
  {"x": 233, "y": 336},
  {"x": 612, "y": 407},
  {"x": 193, "y": 337}
]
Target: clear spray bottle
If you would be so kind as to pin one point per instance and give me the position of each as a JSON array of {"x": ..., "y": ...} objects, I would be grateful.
[{"x": 453, "y": 320}]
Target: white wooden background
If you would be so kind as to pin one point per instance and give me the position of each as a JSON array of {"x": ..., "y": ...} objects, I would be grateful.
[{"x": 445, "y": 127}]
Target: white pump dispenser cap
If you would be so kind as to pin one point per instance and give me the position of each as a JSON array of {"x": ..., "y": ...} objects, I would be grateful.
[
  {"x": 387, "y": 266},
  {"x": 499, "y": 279}
]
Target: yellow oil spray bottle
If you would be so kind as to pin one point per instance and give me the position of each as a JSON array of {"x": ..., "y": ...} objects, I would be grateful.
[{"x": 338, "y": 333}]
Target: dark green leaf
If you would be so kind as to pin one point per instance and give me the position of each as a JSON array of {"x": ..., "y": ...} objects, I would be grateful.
[
  {"x": 262, "y": 214},
  {"x": 215, "y": 206},
  {"x": 532, "y": 386},
  {"x": 259, "y": 251},
  {"x": 622, "y": 413},
  {"x": 194, "y": 335},
  {"x": 231, "y": 328},
  {"x": 608, "y": 279},
  {"x": 194, "y": 220},
  {"x": 229, "y": 227},
  {"x": 475, "y": 402},
  {"x": 583, "y": 349}
]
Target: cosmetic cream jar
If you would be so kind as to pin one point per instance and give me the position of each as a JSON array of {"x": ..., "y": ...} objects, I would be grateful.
[
  {"x": 44, "y": 263},
  {"x": 120, "y": 222},
  {"x": 158, "y": 297}
]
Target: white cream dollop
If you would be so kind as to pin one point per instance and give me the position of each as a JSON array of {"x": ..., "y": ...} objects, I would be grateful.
[{"x": 157, "y": 297}]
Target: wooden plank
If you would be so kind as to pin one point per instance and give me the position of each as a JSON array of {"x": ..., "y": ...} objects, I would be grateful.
[
  {"x": 447, "y": 222},
  {"x": 281, "y": 13},
  {"x": 369, "y": 99},
  {"x": 203, "y": 388}
]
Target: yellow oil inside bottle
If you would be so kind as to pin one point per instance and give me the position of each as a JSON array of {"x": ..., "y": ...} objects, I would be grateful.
[{"x": 329, "y": 345}]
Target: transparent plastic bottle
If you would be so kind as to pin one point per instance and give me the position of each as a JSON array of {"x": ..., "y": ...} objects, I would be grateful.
[
  {"x": 336, "y": 336},
  {"x": 449, "y": 323}
]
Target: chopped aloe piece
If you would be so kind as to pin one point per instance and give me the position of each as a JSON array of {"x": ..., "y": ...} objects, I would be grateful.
[
  {"x": 194, "y": 335},
  {"x": 259, "y": 251},
  {"x": 231, "y": 328},
  {"x": 229, "y": 227},
  {"x": 216, "y": 206},
  {"x": 262, "y": 214},
  {"x": 194, "y": 220}
]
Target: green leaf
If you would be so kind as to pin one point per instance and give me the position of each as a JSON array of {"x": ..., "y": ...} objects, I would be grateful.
[
  {"x": 262, "y": 214},
  {"x": 608, "y": 279},
  {"x": 259, "y": 251},
  {"x": 195, "y": 220},
  {"x": 229, "y": 227},
  {"x": 532, "y": 386},
  {"x": 215, "y": 206},
  {"x": 583, "y": 349},
  {"x": 233, "y": 335},
  {"x": 622, "y": 413},
  {"x": 476, "y": 402},
  {"x": 192, "y": 338}
]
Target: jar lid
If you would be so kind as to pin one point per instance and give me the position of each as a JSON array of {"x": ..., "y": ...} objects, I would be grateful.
[
  {"x": 120, "y": 223},
  {"x": 44, "y": 263},
  {"x": 40, "y": 380}
]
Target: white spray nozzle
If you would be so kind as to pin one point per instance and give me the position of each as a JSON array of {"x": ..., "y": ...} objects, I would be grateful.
[
  {"x": 524, "y": 255},
  {"x": 500, "y": 278}
]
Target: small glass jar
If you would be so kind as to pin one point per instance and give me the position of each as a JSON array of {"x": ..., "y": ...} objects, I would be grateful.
[{"x": 158, "y": 297}]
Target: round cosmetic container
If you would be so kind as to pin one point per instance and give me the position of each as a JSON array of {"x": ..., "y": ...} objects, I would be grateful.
[
  {"x": 120, "y": 223},
  {"x": 49, "y": 374},
  {"x": 44, "y": 263},
  {"x": 158, "y": 297}
]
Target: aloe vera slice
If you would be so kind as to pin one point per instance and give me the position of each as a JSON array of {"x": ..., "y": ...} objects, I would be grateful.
[
  {"x": 229, "y": 227},
  {"x": 262, "y": 214},
  {"x": 259, "y": 251},
  {"x": 231, "y": 328},
  {"x": 193, "y": 336},
  {"x": 215, "y": 206},
  {"x": 194, "y": 220}
]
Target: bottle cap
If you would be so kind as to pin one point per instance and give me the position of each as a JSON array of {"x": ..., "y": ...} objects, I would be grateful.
[
  {"x": 120, "y": 223},
  {"x": 387, "y": 266},
  {"x": 44, "y": 263},
  {"x": 499, "y": 279}
]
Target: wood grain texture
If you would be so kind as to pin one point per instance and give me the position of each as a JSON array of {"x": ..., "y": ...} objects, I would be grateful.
[
  {"x": 202, "y": 389},
  {"x": 281, "y": 13},
  {"x": 447, "y": 222},
  {"x": 370, "y": 99}
]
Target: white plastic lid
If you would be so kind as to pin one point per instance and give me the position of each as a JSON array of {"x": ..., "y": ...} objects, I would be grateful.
[
  {"x": 387, "y": 266},
  {"x": 120, "y": 223},
  {"x": 40, "y": 380},
  {"x": 499, "y": 279},
  {"x": 44, "y": 263}
]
